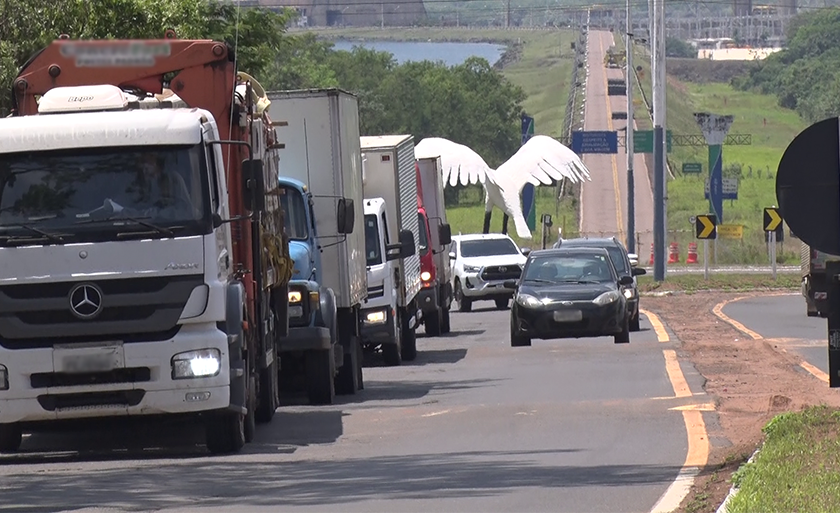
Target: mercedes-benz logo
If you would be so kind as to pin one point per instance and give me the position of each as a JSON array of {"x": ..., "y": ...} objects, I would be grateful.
[{"x": 86, "y": 301}]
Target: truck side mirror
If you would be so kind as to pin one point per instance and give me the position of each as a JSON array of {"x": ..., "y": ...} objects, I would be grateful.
[
  {"x": 346, "y": 219},
  {"x": 253, "y": 185},
  {"x": 452, "y": 255},
  {"x": 445, "y": 234},
  {"x": 393, "y": 252},
  {"x": 407, "y": 247}
]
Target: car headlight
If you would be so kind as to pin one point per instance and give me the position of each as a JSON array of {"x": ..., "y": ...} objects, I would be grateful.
[
  {"x": 528, "y": 301},
  {"x": 471, "y": 268},
  {"x": 4, "y": 378},
  {"x": 606, "y": 298},
  {"x": 377, "y": 317},
  {"x": 202, "y": 363},
  {"x": 629, "y": 293},
  {"x": 425, "y": 276}
]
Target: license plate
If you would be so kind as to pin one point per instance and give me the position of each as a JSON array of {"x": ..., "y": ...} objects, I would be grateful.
[
  {"x": 79, "y": 360},
  {"x": 568, "y": 315}
]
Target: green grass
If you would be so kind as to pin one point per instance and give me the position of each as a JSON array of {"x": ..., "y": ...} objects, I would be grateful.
[
  {"x": 722, "y": 281},
  {"x": 797, "y": 469},
  {"x": 541, "y": 63},
  {"x": 758, "y": 161}
]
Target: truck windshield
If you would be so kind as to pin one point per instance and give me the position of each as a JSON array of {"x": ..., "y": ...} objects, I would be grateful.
[
  {"x": 91, "y": 194},
  {"x": 294, "y": 213},
  {"x": 423, "y": 248},
  {"x": 488, "y": 247},
  {"x": 372, "y": 244}
]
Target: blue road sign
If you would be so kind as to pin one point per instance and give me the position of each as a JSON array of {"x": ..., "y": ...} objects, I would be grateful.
[
  {"x": 527, "y": 128},
  {"x": 594, "y": 142},
  {"x": 528, "y": 192},
  {"x": 716, "y": 181}
]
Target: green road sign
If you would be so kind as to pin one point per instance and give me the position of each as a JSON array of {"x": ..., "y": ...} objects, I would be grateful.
[
  {"x": 643, "y": 141},
  {"x": 692, "y": 168}
]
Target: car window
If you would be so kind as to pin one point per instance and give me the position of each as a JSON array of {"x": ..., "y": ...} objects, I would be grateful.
[
  {"x": 488, "y": 247},
  {"x": 617, "y": 256},
  {"x": 572, "y": 268}
]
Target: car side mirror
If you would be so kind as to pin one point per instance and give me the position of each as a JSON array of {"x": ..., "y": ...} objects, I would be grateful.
[
  {"x": 346, "y": 216},
  {"x": 452, "y": 255},
  {"x": 638, "y": 271},
  {"x": 445, "y": 234},
  {"x": 510, "y": 284},
  {"x": 525, "y": 251},
  {"x": 253, "y": 185},
  {"x": 625, "y": 280},
  {"x": 407, "y": 247}
]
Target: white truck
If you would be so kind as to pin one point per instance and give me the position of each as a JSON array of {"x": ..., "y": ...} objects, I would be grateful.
[
  {"x": 390, "y": 315},
  {"x": 321, "y": 178}
]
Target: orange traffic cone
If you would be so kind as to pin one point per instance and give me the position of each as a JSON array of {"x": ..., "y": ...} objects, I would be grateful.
[
  {"x": 692, "y": 253},
  {"x": 674, "y": 253}
]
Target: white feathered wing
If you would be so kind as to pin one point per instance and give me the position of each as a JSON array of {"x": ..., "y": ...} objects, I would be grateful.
[
  {"x": 458, "y": 162},
  {"x": 539, "y": 161}
]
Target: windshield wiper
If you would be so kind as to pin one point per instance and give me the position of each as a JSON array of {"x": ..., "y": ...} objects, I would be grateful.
[
  {"x": 539, "y": 280},
  {"x": 43, "y": 235},
  {"x": 138, "y": 220}
]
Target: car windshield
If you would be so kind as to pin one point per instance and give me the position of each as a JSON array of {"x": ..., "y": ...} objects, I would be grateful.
[
  {"x": 87, "y": 190},
  {"x": 372, "y": 246},
  {"x": 423, "y": 248},
  {"x": 294, "y": 211},
  {"x": 488, "y": 247},
  {"x": 570, "y": 268},
  {"x": 616, "y": 255}
]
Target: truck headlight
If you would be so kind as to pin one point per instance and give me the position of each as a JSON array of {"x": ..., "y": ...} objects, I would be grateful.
[
  {"x": 4, "y": 378},
  {"x": 606, "y": 298},
  {"x": 202, "y": 363},
  {"x": 377, "y": 317},
  {"x": 425, "y": 276},
  {"x": 197, "y": 302},
  {"x": 295, "y": 296}
]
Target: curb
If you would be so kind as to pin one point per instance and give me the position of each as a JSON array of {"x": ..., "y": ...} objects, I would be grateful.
[{"x": 732, "y": 490}]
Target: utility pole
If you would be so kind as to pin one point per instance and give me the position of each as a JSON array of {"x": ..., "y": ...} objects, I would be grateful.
[
  {"x": 382, "y": 15},
  {"x": 507, "y": 15},
  {"x": 658, "y": 60},
  {"x": 628, "y": 140}
]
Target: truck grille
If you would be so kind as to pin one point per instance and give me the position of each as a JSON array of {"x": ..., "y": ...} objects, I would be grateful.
[
  {"x": 91, "y": 400},
  {"x": 501, "y": 272},
  {"x": 59, "y": 379},
  {"x": 375, "y": 292},
  {"x": 132, "y": 309}
]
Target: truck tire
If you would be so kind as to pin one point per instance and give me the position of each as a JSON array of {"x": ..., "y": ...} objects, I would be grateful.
[
  {"x": 269, "y": 391},
  {"x": 392, "y": 353},
  {"x": 10, "y": 437},
  {"x": 225, "y": 433},
  {"x": 433, "y": 323},
  {"x": 361, "y": 360},
  {"x": 320, "y": 376},
  {"x": 445, "y": 327},
  {"x": 502, "y": 303},
  {"x": 347, "y": 380},
  {"x": 409, "y": 341},
  {"x": 251, "y": 416}
]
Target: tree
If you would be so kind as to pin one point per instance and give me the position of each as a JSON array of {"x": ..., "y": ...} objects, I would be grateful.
[{"x": 678, "y": 48}]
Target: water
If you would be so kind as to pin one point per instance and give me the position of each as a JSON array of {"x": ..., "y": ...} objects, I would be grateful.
[{"x": 451, "y": 54}]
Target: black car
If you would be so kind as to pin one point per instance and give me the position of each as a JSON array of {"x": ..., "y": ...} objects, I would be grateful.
[
  {"x": 569, "y": 293},
  {"x": 618, "y": 254}
]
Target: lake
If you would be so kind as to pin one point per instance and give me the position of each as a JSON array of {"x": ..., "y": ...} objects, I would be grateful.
[{"x": 451, "y": 54}]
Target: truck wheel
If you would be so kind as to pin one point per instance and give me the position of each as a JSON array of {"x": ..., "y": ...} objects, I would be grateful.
[
  {"x": 225, "y": 433},
  {"x": 269, "y": 392},
  {"x": 464, "y": 303},
  {"x": 361, "y": 361},
  {"x": 251, "y": 416},
  {"x": 391, "y": 353},
  {"x": 502, "y": 303},
  {"x": 444, "y": 321},
  {"x": 320, "y": 374},
  {"x": 347, "y": 380},
  {"x": 409, "y": 341},
  {"x": 10, "y": 437},
  {"x": 433, "y": 324}
]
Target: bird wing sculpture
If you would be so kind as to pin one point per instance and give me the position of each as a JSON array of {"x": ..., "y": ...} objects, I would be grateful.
[
  {"x": 458, "y": 162},
  {"x": 539, "y": 161}
]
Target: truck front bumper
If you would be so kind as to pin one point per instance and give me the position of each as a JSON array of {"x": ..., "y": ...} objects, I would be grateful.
[
  {"x": 428, "y": 299},
  {"x": 141, "y": 383},
  {"x": 309, "y": 337},
  {"x": 377, "y": 326}
]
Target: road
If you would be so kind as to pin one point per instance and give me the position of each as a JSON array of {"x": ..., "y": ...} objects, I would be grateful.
[
  {"x": 782, "y": 318},
  {"x": 604, "y": 199},
  {"x": 472, "y": 425}
]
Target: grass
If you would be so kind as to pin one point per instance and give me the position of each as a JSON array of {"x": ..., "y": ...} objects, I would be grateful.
[
  {"x": 798, "y": 467},
  {"x": 771, "y": 128},
  {"x": 541, "y": 63},
  {"x": 723, "y": 281}
]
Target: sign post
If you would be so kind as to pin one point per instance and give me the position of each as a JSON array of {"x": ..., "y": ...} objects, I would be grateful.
[
  {"x": 715, "y": 127},
  {"x": 772, "y": 221},
  {"x": 706, "y": 229}
]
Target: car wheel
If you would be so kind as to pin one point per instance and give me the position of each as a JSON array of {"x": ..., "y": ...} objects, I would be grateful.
[
  {"x": 635, "y": 323},
  {"x": 517, "y": 340},
  {"x": 624, "y": 336},
  {"x": 464, "y": 304},
  {"x": 502, "y": 303}
]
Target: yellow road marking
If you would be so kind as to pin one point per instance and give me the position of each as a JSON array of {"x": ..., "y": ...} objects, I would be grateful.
[
  {"x": 694, "y": 407},
  {"x": 658, "y": 327},
  {"x": 672, "y": 366},
  {"x": 816, "y": 372},
  {"x": 618, "y": 218},
  {"x": 698, "y": 440}
]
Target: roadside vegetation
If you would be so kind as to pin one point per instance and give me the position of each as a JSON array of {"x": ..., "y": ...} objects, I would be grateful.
[
  {"x": 727, "y": 282},
  {"x": 797, "y": 468}
]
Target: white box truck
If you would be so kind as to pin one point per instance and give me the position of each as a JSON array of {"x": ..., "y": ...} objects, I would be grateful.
[
  {"x": 390, "y": 315},
  {"x": 321, "y": 177}
]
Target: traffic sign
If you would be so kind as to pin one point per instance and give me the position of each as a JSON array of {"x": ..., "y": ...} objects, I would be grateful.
[
  {"x": 809, "y": 195},
  {"x": 692, "y": 168},
  {"x": 706, "y": 226},
  {"x": 730, "y": 231},
  {"x": 643, "y": 141},
  {"x": 729, "y": 189},
  {"x": 594, "y": 142},
  {"x": 772, "y": 219}
]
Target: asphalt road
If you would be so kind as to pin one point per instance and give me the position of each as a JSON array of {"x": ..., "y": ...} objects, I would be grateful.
[
  {"x": 472, "y": 425},
  {"x": 604, "y": 199},
  {"x": 783, "y": 317}
]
